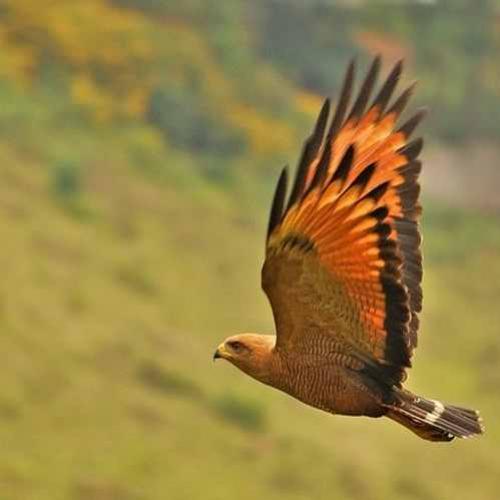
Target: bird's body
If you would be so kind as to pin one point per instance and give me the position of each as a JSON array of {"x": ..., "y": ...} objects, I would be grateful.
[
  {"x": 343, "y": 270},
  {"x": 329, "y": 383}
]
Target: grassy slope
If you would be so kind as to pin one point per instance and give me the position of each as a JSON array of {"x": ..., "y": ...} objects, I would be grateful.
[{"x": 109, "y": 315}]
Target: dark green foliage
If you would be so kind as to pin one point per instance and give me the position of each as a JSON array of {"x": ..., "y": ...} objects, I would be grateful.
[
  {"x": 67, "y": 186},
  {"x": 167, "y": 381},
  {"x": 190, "y": 124},
  {"x": 247, "y": 414},
  {"x": 453, "y": 60},
  {"x": 135, "y": 277},
  {"x": 311, "y": 42},
  {"x": 67, "y": 179}
]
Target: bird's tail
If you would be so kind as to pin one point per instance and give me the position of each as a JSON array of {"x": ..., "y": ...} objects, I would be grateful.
[{"x": 433, "y": 420}]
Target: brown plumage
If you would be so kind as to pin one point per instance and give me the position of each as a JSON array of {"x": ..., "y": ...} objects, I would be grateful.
[{"x": 343, "y": 269}]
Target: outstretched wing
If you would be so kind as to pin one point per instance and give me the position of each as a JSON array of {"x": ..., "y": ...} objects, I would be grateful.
[{"x": 343, "y": 262}]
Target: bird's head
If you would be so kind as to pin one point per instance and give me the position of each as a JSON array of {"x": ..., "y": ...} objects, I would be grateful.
[{"x": 250, "y": 352}]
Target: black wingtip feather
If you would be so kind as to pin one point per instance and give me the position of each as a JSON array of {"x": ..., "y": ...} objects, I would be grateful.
[
  {"x": 309, "y": 152},
  {"x": 377, "y": 193},
  {"x": 345, "y": 165},
  {"x": 364, "y": 177},
  {"x": 383, "y": 230},
  {"x": 401, "y": 102},
  {"x": 366, "y": 89},
  {"x": 387, "y": 89},
  {"x": 343, "y": 102},
  {"x": 409, "y": 126},
  {"x": 323, "y": 117},
  {"x": 320, "y": 126},
  {"x": 411, "y": 171},
  {"x": 322, "y": 168},
  {"x": 380, "y": 213},
  {"x": 278, "y": 202},
  {"x": 412, "y": 149}
]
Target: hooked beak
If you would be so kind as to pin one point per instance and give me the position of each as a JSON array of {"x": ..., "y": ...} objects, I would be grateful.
[{"x": 220, "y": 353}]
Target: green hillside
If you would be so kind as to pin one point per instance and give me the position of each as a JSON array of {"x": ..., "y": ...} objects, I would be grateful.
[
  {"x": 139, "y": 143},
  {"x": 109, "y": 320}
]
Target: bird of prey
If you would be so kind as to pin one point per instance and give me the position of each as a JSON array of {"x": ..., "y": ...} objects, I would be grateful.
[{"x": 343, "y": 269}]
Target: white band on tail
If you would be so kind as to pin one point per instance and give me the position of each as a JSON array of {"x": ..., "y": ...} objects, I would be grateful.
[{"x": 436, "y": 413}]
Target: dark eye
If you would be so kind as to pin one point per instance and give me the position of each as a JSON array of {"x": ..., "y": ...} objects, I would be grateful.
[{"x": 236, "y": 345}]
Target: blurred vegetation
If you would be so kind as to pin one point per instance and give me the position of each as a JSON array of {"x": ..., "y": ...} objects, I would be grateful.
[
  {"x": 247, "y": 414},
  {"x": 451, "y": 46},
  {"x": 139, "y": 143}
]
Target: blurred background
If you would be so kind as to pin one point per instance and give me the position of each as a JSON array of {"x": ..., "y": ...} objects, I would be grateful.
[{"x": 140, "y": 141}]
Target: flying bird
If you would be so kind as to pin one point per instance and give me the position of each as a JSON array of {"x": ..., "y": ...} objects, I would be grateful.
[{"x": 343, "y": 269}]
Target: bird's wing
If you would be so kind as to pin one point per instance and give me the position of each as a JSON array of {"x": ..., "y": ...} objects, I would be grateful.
[{"x": 343, "y": 261}]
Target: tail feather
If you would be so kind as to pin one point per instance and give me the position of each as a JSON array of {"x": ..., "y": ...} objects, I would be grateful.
[{"x": 433, "y": 420}]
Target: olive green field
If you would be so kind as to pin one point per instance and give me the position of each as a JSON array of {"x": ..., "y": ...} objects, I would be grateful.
[{"x": 140, "y": 141}]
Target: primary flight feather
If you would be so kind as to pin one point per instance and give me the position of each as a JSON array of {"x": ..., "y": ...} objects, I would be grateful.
[{"x": 343, "y": 269}]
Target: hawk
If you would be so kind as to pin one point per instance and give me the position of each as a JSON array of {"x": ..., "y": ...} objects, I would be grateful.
[{"x": 343, "y": 269}]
